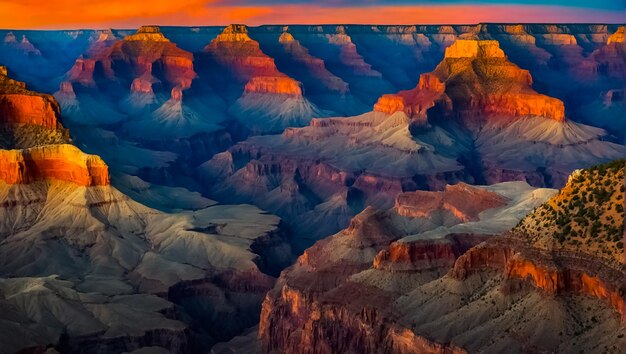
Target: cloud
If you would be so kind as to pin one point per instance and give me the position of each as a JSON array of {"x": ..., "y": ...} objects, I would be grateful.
[{"x": 132, "y": 13}]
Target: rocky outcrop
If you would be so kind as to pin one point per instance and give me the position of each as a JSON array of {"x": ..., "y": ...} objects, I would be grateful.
[
  {"x": 617, "y": 37},
  {"x": 53, "y": 162},
  {"x": 142, "y": 86},
  {"x": 484, "y": 86},
  {"x": 18, "y": 105},
  {"x": 134, "y": 57},
  {"x": 241, "y": 55},
  {"x": 83, "y": 72},
  {"x": 331, "y": 327},
  {"x": 348, "y": 54},
  {"x": 424, "y": 255},
  {"x": 609, "y": 60},
  {"x": 415, "y": 103},
  {"x": 273, "y": 85},
  {"x": 464, "y": 202}
]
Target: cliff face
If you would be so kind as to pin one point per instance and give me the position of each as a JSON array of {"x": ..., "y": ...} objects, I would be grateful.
[
  {"x": 273, "y": 85},
  {"x": 53, "y": 162},
  {"x": 425, "y": 255},
  {"x": 27, "y": 118},
  {"x": 555, "y": 274},
  {"x": 609, "y": 59},
  {"x": 18, "y": 105}
]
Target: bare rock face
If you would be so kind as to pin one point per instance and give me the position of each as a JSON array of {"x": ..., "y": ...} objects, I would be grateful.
[
  {"x": 617, "y": 37},
  {"x": 565, "y": 272},
  {"x": 453, "y": 200},
  {"x": 82, "y": 72},
  {"x": 273, "y": 85},
  {"x": 134, "y": 57},
  {"x": 53, "y": 162},
  {"x": 235, "y": 50},
  {"x": 18, "y": 105},
  {"x": 270, "y": 100},
  {"x": 27, "y": 118},
  {"x": 415, "y": 103},
  {"x": 484, "y": 85},
  {"x": 609, "y": 60}
]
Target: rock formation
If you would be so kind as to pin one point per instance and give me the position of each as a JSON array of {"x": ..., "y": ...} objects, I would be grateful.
[
  {"x": 415, "y": 103},
  {"x": 271, "y": 101},
  {"x": 18, "y": 105},
  {"x": 27, "y": 118},
  {"x": 484, "y": 85},
  {"x": 53, "y": 162},
  {"x": 457, "y": 288},
  {"x": 453, "y": 200}
]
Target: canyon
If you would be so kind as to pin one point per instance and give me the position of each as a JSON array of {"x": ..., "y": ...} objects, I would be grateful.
[
  {"x": 465, "y": 286},
  {"x": 98, "y": 271},
  {"x": 448, "y": 189}
]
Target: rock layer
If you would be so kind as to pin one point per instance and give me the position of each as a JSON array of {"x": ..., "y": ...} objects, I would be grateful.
[
  {"x": 18, "y": 105},
  {"x": 53, "y": 162}
]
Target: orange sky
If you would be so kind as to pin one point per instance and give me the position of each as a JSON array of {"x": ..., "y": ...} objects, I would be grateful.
[{"x": 52, "y": 14}]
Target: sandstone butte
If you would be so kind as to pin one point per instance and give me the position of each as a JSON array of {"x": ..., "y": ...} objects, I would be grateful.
[
  {"x": 52, "y": 162},
  {"x": 481, "y": 84},
  {"x": 18, "y": 105},
  {"x": 138, "y": 52},
  {"x": 243, "y": 57},
  {"x": 484, "y": 84}
]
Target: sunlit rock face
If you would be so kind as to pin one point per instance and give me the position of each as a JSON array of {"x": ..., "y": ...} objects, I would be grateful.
[
  {"x": 20, "y": 106},
  {"x": 234, "y": 49},
  {"x": 27, "y": 118},
  {"x": 53, "y": 162},
  {"x": 611, "y": 59},
  {"x": 483, "y": 85}
]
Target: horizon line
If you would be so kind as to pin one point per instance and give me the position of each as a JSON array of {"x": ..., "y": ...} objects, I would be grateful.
[{"x": 320, "y": 24}]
